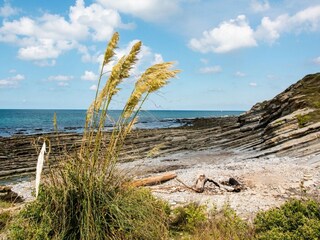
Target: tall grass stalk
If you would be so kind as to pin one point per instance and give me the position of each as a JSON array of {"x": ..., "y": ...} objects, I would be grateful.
[{"x": 85, "y": 197}]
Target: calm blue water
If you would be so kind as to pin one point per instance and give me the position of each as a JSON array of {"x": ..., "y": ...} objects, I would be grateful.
[{"x": 41, "y": 121}]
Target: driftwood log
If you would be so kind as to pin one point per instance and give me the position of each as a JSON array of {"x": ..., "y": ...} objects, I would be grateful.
[
  {"x": 232, "y": 185},
  {"x": 201, "y": 181},
  {"x": 153, "y": 180}
]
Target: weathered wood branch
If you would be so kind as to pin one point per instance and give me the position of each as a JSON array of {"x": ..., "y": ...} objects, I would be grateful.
[
  {"x": 201, "y": 182},
  {"x": 153, "y": 180}
]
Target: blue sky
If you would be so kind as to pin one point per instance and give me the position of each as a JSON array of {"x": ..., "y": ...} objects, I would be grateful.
[{"x": 232, "y": 53}]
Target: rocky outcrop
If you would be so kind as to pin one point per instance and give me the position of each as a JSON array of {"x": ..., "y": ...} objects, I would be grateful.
[{"x": 289, "y": 124}]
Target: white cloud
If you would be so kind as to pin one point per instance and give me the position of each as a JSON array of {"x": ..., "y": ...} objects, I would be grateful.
[
  {"x": 149, "y": 10},
  {"x": 204, "y": 60},
  {"x": 212, "y": 69},
  {"x": 11, "y": 81},
  {"x": 216, "y": 90},
  {"x": 49, "y": 36},
  {"x": 46, "y": 63},
  {"x": 253, "y": 84},
  {"x": 157, "y": 58},
  {"x": 63, "y": 84},
  {"x": 89, "y": 76},
  {"x": 304, "y": 20},
  {"x": 46, "y": 49},
  {"x": 18, "y": 77},
  {"x": 228, "y": 36},
  {"x": 100, "y": 21},
  {"x": 270, "y": 30},
  {"x": 317, "y": 60},
  {"x": 60, "y": 78},
  {"x": 260, "y": 6},
  {"x": 240, "y": 74},
  {"x": 237, "y": 33},
  {"x": 93, "y": 87},
  {"x": 6, "y": 10},
  {"x": 272, "y": 77}
]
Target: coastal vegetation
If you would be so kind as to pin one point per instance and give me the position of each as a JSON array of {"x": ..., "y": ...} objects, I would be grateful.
[
  {"x": 303, "y": 120},
  {"x": 309, "y": 91},
  {"x": 296, "y": 219}
]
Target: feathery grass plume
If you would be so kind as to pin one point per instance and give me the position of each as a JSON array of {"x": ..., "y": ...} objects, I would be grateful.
[
  {"x": 119, "y": 72},
  {"x": 109, "y": 89},
  {"x": 39, "y": 167},
  {"x": 130, "y": 60},
  {"x": 109, "y": 53},
  {"x": 150, "y": 81}
]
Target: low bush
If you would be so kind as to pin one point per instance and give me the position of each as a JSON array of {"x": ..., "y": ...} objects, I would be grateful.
[
  {"x": 296, "y": 219},
  {"x": 4, "y": 219},
  {"x": 196, "y": 223},
  {"x": 188, "y": 218},
  {"x": 123, "y": 213},
  {"x": 303, "y": 120}
]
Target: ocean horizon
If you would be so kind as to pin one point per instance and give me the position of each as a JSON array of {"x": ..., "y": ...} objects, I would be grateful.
[{"x": 35, "y": 121}]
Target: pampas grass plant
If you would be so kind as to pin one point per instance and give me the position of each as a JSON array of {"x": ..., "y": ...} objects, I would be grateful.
[{"x": 85, "y": 197}]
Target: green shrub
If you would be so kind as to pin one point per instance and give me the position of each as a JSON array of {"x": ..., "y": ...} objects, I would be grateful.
[
  {"x": 125, "y": 213},
  {"x": 303, "y": 120},
  {"x": 194, "y": 222},
  {"x": 4, "y": 219},
  {"x": 188, "y": 218},
  {"x": 4, "y": 204},
  {"x": 316, "y": 104},
  {"x": 224, "y": 224},
  {"x": 295, "y": 219}
]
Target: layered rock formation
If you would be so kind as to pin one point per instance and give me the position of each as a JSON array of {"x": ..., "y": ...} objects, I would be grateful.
[{"x": 289, "y": 124}]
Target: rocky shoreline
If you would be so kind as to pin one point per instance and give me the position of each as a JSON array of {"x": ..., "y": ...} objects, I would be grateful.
[
  {"x": 18, "y": 154},
  {"x": 287, "y": 125},
  {"x": 273, "y": 149}
]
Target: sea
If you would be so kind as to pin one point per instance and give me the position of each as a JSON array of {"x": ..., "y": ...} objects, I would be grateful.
[{"x": 29, "y": 121}]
